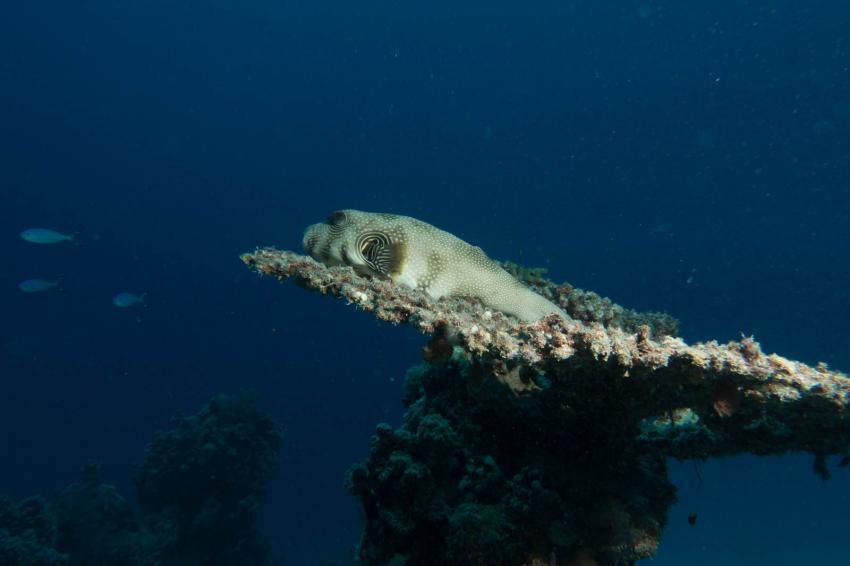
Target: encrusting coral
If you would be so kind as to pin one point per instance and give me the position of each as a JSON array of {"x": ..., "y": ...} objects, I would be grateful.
[{"x": 546, "y": 442}]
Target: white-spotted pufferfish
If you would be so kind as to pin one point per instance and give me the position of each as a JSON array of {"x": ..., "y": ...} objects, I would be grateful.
[{"x": 420, "y": 256}]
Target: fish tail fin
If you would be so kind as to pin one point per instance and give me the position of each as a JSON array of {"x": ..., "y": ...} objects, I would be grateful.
[
  {"x": 74, "y": 238},
  {"x": 58, "y": 284}
]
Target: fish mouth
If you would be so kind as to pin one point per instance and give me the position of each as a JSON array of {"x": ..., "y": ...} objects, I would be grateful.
[
  {"x": 320, "y": 243},
  {"x": 311, "y": 239}
]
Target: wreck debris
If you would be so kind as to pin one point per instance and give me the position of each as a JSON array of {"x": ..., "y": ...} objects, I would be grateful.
[{"x": 546, "y": 442}]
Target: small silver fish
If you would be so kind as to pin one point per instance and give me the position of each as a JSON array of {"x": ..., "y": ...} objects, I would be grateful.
[
  {"x": 46, "y": 236},
  {"x": 38, "y": 285},
  {"x": 125, "y": 300}
]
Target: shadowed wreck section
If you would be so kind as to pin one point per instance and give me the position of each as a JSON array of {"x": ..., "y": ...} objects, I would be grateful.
[{"x": 545, "y": 443}]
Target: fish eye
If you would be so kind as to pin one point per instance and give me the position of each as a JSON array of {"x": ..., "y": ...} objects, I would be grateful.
[{"x": 338, "y": 218}]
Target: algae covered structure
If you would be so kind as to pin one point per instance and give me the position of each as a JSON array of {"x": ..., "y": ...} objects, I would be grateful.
[{"x": 546, "y": 442}]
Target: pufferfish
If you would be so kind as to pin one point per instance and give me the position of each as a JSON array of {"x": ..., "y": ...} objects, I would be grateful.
[{"x": 420, "y": 256}]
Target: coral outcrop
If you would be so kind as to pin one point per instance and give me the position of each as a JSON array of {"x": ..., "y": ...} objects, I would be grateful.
[
  {"x": 201, "y": 484},
  {"x": 96, "y": 525},
  {"x": 28, "y": 534},
  {"x": 199, "y": 487},
  {"x": 545, "y": 443}
]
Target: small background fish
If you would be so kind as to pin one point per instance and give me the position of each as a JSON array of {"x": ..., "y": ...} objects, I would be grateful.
[
  {"x": 124, "y": 300},
  {"x": 46, "y": 236},
  {"x": 37, "y": 285}
]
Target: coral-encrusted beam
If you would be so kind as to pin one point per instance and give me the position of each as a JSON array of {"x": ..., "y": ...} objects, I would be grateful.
[{"x": 689, "y": 400}]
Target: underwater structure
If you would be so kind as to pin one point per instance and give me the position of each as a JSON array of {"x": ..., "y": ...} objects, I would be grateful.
[{"x": 545, "y": 442}]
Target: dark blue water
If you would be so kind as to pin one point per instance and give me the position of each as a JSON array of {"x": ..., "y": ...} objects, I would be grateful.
[{"x": 682, "y": 156}]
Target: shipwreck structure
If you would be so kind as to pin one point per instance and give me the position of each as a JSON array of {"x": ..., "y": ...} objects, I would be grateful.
[{"x": 545, "y": 443}]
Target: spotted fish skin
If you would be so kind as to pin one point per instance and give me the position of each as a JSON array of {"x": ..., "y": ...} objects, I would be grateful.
[{"x": 420, "y": 256}]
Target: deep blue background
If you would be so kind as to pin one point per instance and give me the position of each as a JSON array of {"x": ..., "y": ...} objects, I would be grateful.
[{"x": 692, "y": 157}]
